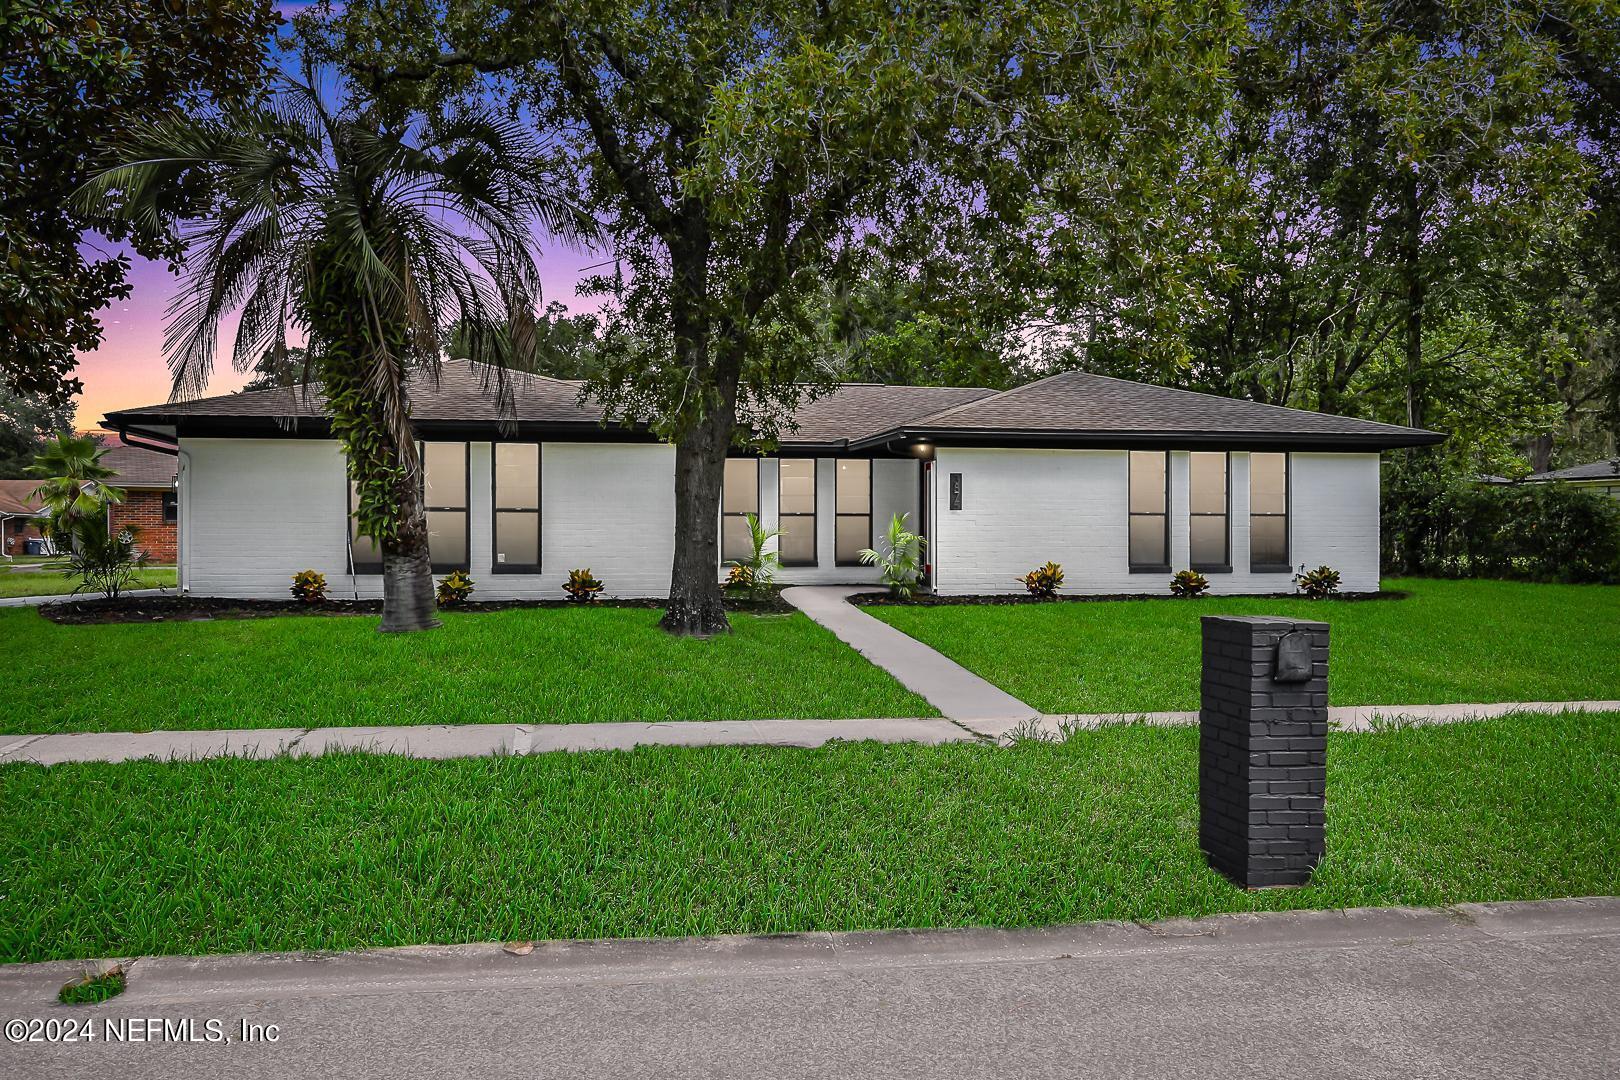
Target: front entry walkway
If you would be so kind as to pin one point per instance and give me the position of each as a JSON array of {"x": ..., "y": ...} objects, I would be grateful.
[{"x": 946, "y": 685}]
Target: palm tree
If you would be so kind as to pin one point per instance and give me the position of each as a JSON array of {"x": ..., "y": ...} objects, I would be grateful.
[
  {"x": 73, "y": 485},
  {"x": 374, "y": 238}
]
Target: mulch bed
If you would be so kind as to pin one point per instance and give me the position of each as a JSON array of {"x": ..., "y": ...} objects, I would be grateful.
[
  {"x": 930, "y": 600},
  {"x": 141, "y": 609}
]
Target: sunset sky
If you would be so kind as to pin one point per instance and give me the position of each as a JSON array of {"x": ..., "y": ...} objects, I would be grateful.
[{"x": 128, "y": 369}]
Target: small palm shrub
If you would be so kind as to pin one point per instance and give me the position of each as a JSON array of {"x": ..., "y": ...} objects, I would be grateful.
[
  {"x": 1318, "y": 584},
  {"x": 582, "y": 586},
  {"x": 102, "y": 560},
  {"x": 754, "y": 571},
  {"x": 898, "y": 558},
  {"x": 1189, "y": 583},
  {"x": 309, "y": 586},
  {"x": 1043, "y": 582},
  {"x": 454, "y": 588}
]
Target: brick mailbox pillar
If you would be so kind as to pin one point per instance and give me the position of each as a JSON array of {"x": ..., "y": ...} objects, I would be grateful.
[{"x": 1262, "y": 748}]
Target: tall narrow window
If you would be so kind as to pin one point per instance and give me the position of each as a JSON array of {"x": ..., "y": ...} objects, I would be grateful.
[
  {"x": 516, "y": 502},
  {"x": 1209, "y": 547},
  {"x": 171, "y": 508},
  {"x": 853, "y": 528},
  {"x": 365, "y": 554},
  {"x": 796, "y": 511},
  {"x": 1149, "y": 517},
  {"x": 444, "y": 495},
  {"x": 1268, "y": 513},
  {"x": 738, "y": 498}
]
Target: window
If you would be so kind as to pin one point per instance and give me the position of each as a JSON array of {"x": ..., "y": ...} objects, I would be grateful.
[
  {"x": 1208, "y": 543},
  {"x": 739, "y": 497},
  {"x": 364, "y": 554},
  {"x": 171, "y": 507},
  {"x": 1149, "y": 516},
  {"x": 796, "y": 511},
  {"x": 1268, "y": 513},
  {"x": 516, "y": 502},
  {"x": 853, "y": 525},
  {"x": 444, "y": 496}
]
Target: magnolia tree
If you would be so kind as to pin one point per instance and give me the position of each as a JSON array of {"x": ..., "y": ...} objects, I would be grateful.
[{"x": 740, "y": 155}]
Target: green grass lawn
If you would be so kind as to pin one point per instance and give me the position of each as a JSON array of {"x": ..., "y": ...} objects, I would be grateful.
[
  {"x": 53, "y": 583},
  {"x": 537, "y": 666},
  {"x": 358, "y": 850},
  {"x": 1449, "y": 641}
]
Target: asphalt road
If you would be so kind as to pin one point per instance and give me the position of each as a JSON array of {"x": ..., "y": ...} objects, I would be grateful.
[{"x": 1500, "y": 991}]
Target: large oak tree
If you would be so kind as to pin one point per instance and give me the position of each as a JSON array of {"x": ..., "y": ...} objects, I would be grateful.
[{"x": 739, "y": 153}]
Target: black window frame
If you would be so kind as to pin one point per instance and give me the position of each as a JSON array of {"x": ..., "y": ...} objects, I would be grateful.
[
  {"x": 356, "y": 567},
  {"x": 1225, "y": 566},
  {"x": 496, "y": 510},
  {"x": 814, "y": 514},
  {"x": 839, "y": 514},
  {"x": 724, "y": 513},
  {"x": 1163, "y": 515},
  {"x": 465, "y": 511},
  {"x": 170, "y": 507},
  {"x": 1287, "y": 565}
]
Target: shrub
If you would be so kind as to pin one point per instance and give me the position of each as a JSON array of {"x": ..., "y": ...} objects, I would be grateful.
[
  {"x": 102, "y": 560},
  {"x": 309, "y": 586},
  {"x": 1445, "y": 525},
  {"x": 754, "y": 571},
  {"x": 454, "y": 588},
  {"x": 898, "y": 557},
  {"x": 581, "y": 586},
  {"x": 1189, "y": 583},
  {"x": 1043, "y": 582},
  {"x": 1318, "y": 584}
]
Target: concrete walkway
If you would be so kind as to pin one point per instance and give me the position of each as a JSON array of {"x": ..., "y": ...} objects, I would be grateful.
[
  {"x": 442, "y": 741},
  {"x": 36, "y": 601},
  {"x": 1476, "y": 990},
  {"x": 943, "y": 683}
]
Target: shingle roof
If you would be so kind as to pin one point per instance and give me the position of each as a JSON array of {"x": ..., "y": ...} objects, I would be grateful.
[
  {"x": 1607, "y": 469},
  {"x": 16, "y": 497},
  {"x": 1064, "y": 406},
  {"x": 1080, "y": 402},
  {"x": 138, "y": 467}
]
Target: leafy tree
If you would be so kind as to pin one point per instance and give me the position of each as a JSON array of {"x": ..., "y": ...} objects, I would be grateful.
[
  {"x": 564, "y": 346},
  {"x": 278, "y": 367},
  {"x": 26, "y": 422},
  {"x": 75, "y": 73},
  {"x": 738, "y": 154},
  {"x": 73, "y": 485},
  {"x": 338, "y": 220}
]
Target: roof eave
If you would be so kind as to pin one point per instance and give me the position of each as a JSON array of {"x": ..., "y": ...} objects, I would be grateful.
[{"x": 1173, "y": 440}]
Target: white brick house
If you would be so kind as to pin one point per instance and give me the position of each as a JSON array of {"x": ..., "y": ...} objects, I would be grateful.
[{"x": 1120, "y": 482}]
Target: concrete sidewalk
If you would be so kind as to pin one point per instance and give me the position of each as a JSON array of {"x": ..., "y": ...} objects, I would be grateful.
[
  {"x": 62, "y": 598},
  {"x": 946, "y": 685},
  {"x": 442, "y": 741},
  {"x": 1476, "y": 990}
]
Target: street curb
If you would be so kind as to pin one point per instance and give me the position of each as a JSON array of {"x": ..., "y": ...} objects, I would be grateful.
[{"x": 439, "y": 968}]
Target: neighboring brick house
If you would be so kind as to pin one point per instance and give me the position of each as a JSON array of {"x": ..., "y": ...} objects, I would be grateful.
[
  {"x": 150, "y": 505},
  {"x": 18, "y": 510}
]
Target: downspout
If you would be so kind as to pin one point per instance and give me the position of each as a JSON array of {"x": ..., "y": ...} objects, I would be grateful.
[{"x": 182, "y": 532}]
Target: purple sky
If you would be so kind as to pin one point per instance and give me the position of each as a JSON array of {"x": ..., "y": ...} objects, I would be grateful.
[{"x": 128, "y": 369}]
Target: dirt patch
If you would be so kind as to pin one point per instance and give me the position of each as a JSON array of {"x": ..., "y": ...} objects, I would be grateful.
[
  {"x": 1008, "y": 599},
  {"x": 143, "y": 609}
]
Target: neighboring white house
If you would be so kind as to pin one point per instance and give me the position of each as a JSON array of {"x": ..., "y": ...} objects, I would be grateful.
[
  {"x": 1597, "y": 477},
  {"x": 1122, "y": 483}
]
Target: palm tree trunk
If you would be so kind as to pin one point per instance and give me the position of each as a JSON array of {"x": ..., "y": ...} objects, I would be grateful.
[{"x": 408, "y": 602}]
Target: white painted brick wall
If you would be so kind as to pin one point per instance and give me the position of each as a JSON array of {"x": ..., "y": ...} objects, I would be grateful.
[
  {"x": 256, "y": 511},
  {"x": 1023, "y": 507}
]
